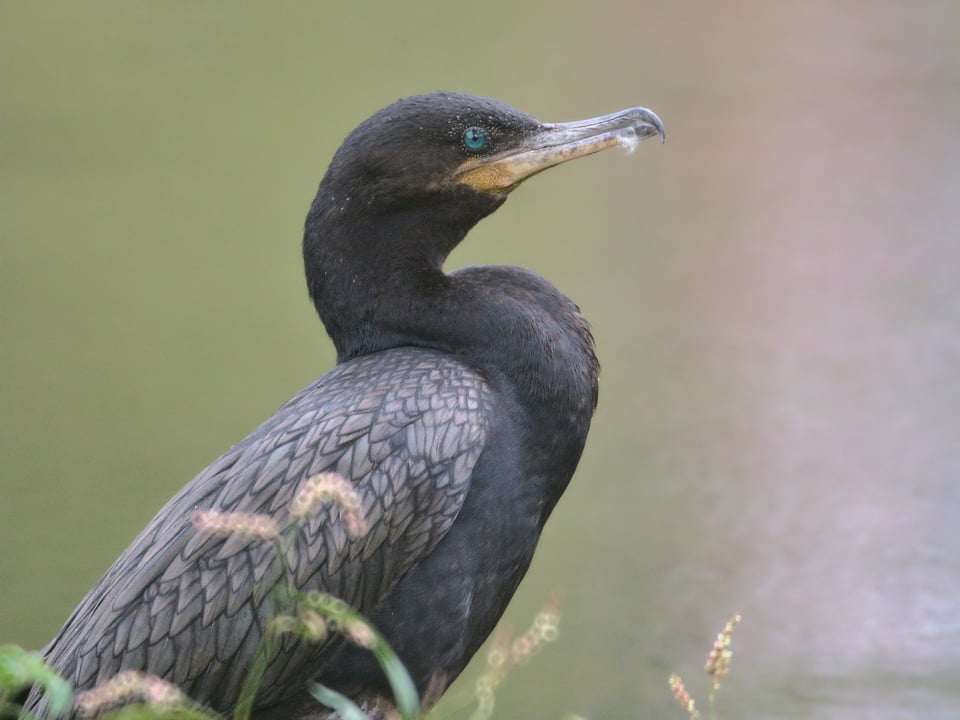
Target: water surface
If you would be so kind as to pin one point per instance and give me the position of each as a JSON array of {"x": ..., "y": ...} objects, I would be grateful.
[{"x": 774, "y": 294}]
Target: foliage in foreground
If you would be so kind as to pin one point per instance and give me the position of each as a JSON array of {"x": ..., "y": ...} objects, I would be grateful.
[
  {"x": 19, "y": 670},
  {"x": 309, "y": 615},
  {"x": 137, "y": 696},
  {"x": 717, "y": 666}
]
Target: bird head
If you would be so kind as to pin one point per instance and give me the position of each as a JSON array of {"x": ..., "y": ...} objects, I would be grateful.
[{"x": 440, "y": 147}]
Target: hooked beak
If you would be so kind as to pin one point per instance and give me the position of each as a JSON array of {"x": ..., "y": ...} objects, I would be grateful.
[{"x": 556, "y": 143}]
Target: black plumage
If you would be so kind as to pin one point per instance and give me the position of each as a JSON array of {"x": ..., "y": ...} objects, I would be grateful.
[{"x": 458, "y": 409}]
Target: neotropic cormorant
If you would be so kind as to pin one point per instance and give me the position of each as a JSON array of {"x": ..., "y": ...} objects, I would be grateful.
[{"x": 458, "y": 408}]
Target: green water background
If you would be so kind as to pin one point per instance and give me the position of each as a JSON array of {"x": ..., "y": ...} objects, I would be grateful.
[{"x": 774, "y": 294}]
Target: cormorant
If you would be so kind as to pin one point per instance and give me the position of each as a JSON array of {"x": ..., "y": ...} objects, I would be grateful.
[{"x": 458, "y": 408}]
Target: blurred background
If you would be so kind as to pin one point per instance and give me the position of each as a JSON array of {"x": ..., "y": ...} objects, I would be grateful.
[{"x": 774, "y": 294}]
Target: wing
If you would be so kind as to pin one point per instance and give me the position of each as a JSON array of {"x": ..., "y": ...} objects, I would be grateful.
[{"x": 405, "y": 426}]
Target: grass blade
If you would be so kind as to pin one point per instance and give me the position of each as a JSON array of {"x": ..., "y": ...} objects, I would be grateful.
[{"x": 343, "y": 705}]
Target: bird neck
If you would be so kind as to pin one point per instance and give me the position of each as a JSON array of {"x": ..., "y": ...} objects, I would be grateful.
[{"x": 376, "y": 278}]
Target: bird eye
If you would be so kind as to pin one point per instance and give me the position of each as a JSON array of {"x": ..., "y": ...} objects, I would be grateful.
[{"x": 475, "y": 138}]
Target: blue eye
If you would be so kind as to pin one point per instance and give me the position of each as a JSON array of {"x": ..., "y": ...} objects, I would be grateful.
[{"x": 475, "y": 138}]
